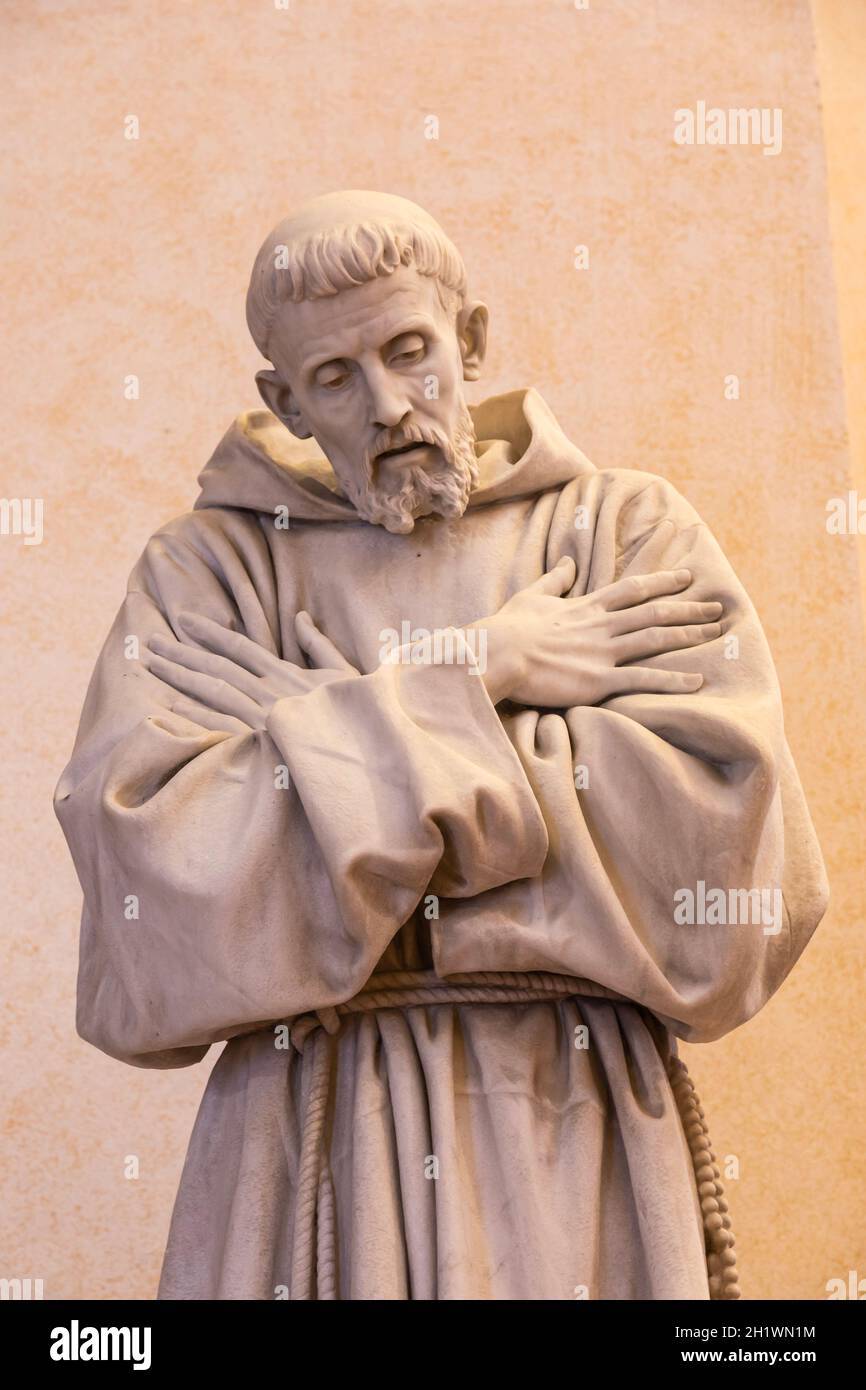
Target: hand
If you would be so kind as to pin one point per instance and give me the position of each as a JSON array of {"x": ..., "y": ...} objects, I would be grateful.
[
  {"x": 228, "y": 682},
  {"x": 546, "y": 650}
]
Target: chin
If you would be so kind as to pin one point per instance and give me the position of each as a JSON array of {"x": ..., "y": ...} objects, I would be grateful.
[
  {"x": 397, "y": 525},
  {"x": 442, "y": 491},
  {"x": 400, "y": 520},
  {"x": 404, "y": 524}
]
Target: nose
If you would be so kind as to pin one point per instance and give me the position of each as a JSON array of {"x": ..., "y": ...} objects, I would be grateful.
[{"x": 389, "y": 401}]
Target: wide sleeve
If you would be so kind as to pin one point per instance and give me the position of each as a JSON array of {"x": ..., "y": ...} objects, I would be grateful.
[
  {"x": 235, "y": 879},
  {"x": 683, "y": 870}
]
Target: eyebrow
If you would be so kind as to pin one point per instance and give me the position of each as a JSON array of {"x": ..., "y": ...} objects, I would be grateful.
[{"x": 418, "y": 323}]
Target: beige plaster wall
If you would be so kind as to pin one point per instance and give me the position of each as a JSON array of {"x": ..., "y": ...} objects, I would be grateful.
[
  {"x": 840, "y": 30},
  {"x": 131, "y": 257}
]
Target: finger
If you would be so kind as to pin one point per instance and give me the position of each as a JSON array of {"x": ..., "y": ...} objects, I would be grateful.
[
  {"x": 216, "y": 694},
  {"x": 625, "y": 593},
  {"x": 630, "y": 680},
  {"x": 319, "y": 648},
  {"x": 209, "y": 718},
  {"x": 206, "y": 663},
  {"x": 652, "y": 641},
  {"x": 661, "y": 612},
  {"x": 224, "y": 641},
  {"x": 556, "y": 581}
]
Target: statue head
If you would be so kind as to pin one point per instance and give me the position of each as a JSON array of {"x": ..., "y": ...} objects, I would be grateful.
[{"x": 360, "y": 302}]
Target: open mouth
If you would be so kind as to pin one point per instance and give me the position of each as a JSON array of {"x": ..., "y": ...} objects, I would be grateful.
[{"x": 410, "y": 448}]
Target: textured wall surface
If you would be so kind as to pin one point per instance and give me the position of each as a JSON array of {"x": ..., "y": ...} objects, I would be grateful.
[
  {"x": 124, "y": 257},
  {"x": 840, "y": 30}
]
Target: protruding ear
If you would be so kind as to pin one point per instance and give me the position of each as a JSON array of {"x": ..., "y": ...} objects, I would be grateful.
[
  {"x": 278, "y": 397},
  {"x": 472, "y": 335}
]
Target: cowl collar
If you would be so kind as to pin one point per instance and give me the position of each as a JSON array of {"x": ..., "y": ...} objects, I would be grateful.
[{"x": 261, "y": 466}]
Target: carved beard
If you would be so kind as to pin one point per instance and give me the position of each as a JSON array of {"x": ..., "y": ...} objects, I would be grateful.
[{"x": 444, "y": 493}]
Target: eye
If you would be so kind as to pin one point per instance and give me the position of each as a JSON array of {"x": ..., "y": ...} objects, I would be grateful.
[
  {"x": 408, "y": 348},
  {"x": 332, "y": 376}
]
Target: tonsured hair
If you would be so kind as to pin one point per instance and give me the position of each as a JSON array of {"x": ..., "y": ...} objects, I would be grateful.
[{"x": 343, "y": 256}]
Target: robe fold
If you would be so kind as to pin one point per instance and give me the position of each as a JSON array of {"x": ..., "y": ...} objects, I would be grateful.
[{"x": 398, "y": 821}]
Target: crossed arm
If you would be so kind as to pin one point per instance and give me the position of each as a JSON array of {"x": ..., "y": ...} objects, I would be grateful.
[
  {"x": 543, "y": 650},
  {"x": 266, "y": 898}
]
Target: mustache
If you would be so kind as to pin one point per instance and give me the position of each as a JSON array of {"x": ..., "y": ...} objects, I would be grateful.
[{"x": 408, "y": 434}]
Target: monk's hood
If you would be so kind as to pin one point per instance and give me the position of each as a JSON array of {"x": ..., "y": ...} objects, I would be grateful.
[{"x": 260, "y": 465}]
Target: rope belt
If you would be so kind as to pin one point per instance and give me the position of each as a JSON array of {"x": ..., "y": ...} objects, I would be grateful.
[{"x": 314, "y": 1261}]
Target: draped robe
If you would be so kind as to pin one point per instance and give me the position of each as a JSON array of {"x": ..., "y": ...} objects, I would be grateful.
[{"x": 399, "y": 821}]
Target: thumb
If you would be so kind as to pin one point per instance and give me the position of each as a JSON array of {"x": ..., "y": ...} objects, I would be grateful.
[
  {"x": 319, "y": 648},
  {"x": 558, "y": 580}
]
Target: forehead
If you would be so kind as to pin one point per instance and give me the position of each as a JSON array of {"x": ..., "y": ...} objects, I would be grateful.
[{"x": 361, "y": 317}]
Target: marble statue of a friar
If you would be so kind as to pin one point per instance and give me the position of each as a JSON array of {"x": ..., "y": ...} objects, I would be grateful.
[{"x": 442, "y": 776}]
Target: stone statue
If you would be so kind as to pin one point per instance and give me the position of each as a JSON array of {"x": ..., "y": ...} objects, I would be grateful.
[{"x": 443, "y": 777}]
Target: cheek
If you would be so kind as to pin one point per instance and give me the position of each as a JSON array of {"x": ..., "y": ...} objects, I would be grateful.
[
  {"x": 445, "y": 368},
  {"x": 328, "y": 417}
]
